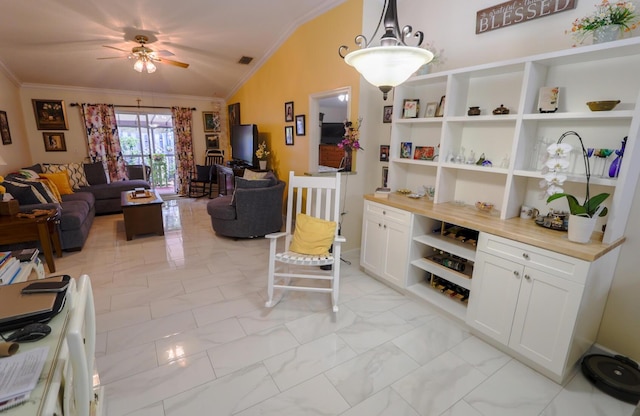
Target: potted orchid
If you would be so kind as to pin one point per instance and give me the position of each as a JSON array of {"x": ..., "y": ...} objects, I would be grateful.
[
  {"x": 350, "y": 141},
  {"x": 585, "y": 213},
  {"x": 262, "y": 153}
]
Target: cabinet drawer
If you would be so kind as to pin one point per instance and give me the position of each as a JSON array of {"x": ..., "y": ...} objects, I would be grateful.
[
  {"x": 557, "y": 264},
  {"x": 394, "y": 214}
]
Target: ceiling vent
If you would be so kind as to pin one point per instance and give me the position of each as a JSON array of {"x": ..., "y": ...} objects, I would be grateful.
[{"x": 245, "y": 60}]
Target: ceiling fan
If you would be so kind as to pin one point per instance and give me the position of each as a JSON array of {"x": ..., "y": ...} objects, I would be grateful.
[{"x": 145, "y": 56}]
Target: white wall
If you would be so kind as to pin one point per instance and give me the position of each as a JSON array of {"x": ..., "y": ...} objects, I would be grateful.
[
  {"x": 450, "y": 25},
  {"x": 16, "y": 154}
]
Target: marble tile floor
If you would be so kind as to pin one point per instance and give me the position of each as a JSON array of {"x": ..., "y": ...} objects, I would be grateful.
[{"x": 182, "y": 331}]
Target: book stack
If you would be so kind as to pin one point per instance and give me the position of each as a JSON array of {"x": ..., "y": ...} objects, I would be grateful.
[
  {"x": 9, "y": 267},
  {"x": 25, "y": 255},
  {"x": 382, "y": 193}
]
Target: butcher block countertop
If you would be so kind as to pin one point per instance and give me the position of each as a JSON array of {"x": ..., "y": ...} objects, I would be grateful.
[{"x": 518, "y": 229}]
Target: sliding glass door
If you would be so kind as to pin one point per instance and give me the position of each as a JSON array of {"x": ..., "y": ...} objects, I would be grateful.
[{"x": 147, "y": 139}]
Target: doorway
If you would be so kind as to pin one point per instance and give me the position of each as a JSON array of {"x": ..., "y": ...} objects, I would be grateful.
[
  {"x": 329, "y": 109},
  {"x": 146, "y": 138}
]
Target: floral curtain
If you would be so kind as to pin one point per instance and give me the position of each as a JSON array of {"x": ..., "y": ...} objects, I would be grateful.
[
  {"x": 182, "y": 125},
  {"x": 103, "y": 138}
]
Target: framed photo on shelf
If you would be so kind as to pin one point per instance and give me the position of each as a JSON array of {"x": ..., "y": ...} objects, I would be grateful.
[
  {"x": 424, "y": 153},
  {"x": 288, "y": 111},
  {"x": 300, "y": 125},
  {"x": 288, "y": 135},
  {"x": 54, "y": 142},
  {"x": 440, "y": 109},
  {"x": 50, "y": 114},
  {"x": 387, "y": 113},
  {"x": 405, "y": 150},
  {"x": 548, "y": 99},
  {"x": 211, "y": 121},
  {"x": 410, "y": 108},
  {"x": 431, "y": 110},
  {"x": 384, "y": 153},
  {"x": 4, "y": 128},
  {"x": 213, "y": 141}
]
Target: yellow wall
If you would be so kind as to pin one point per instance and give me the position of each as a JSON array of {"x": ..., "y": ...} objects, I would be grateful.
[{"x": 306, "y": 63}]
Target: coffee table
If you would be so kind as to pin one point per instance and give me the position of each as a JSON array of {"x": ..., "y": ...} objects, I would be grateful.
[
  {"x": 142, "y": 215},
  {"x": 14, "y": 229}
]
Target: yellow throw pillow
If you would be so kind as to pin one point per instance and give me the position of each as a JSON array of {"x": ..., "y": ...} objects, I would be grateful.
[
  {"x": 61, "y": 180},
  {"x": 52, "y": 188},
  {"x": 312, "y": 235},
  {"x": 249, "y": 174}
]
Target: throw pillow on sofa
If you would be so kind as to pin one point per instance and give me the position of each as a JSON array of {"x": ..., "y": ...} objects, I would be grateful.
[
  {"x": 95, "y": 173},
  {"x": 242, "y": 183},
  {"x": 27, "y": 192},
  {"x": 77, "y": 177},
  {"x": 61, "y": 180}
]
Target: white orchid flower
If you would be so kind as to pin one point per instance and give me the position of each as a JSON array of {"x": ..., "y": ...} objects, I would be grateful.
[
  {"x": 557, "y": 164},
  {"x": 559, "y": 150},
  {"x": 554, "y": 178},
  {"x": 553, "y": 189}
]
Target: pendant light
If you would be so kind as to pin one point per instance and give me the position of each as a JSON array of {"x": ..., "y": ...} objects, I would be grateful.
[{"x": 392, "y": 63}]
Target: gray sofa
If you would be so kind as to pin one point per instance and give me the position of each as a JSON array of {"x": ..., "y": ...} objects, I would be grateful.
[
  {"x": 78, "y": 210},
  {"x": 254, "y": 209}
]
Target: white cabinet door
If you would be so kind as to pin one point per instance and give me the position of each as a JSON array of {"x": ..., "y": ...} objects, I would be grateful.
[
  {"x": 372, "y": 242},
  {"x": 494, "y": 294},
  {"x": 396, "y": 249},
  {"x": 545, "y": 317}
]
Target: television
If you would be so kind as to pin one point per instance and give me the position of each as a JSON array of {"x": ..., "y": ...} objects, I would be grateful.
[
  {"x": 331, "y": 133},
  {"x": 244, "y": 143}
]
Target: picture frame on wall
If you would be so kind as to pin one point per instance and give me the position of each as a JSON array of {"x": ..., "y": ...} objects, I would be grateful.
[
  {"x": 410, "y": 108},
  {"x": 387, "y": 113},
  {"x": 50, "y": 114},
  {"x": 440, "y": 108},
  {"x": 288, "y": 135},
  {"x": 431, "y": 109},
  {"x": 211, "y": 121},
  {"x": 288, "y": 111},
  {"x": 300, "y": 125},
  {"x": 54, "y": 142},
  {"x": 212, "y": 141},
  {"x": 234, "y": 114},
  {"x": 384, "y": 153},
  {"x": 4, "y": 128}
]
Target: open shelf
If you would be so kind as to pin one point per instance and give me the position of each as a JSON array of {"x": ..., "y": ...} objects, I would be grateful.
[
  {"x": 440, "y": 300},
  {"x": 450, "y": 245},
  {"x": 460, "y": 279}
]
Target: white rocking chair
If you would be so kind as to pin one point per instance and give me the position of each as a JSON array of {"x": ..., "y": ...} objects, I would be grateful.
[{"x": 314, "y": 196}]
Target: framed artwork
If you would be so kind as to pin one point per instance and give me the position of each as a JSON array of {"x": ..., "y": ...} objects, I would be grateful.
[
  {"x": 405, "y": 150},
  {"x": 424, "y": 153},
  {"x": 431, "y": 110},
  {"x": 384, "y": 153},
  {"x": 234, "y": 115},
  {"x": 410, "y": 108},
  {"x": 211, "y": 121},
  {"x": 213, "y": 141},
  {"x": 300, "y": 125},
  {"x": 385, "y": 176},
  {"x": 50, "y": 114},
  {"x": 288, "y": 111},
  {"x": 54, "y": 142},
  {"x": 387, "y": 112},
  {"x": 548, "y": 99},
  {"x": 440, "y": 109},
  {"x": 4, "y": 128},
  {"x": 288, "y": 135}
]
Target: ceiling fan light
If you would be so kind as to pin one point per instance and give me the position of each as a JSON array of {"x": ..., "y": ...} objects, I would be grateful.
[
  {"x": 139, "y": 65},
  {"x": 151, "y": 68}
]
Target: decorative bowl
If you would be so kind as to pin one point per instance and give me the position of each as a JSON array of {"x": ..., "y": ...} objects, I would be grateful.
[
  {"x": 603, "y": 105},
  {"x": 484, "y": 206}
]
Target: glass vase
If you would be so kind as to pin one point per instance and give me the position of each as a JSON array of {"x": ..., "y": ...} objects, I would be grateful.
[
  {"x": 348, "y": 154},
  {"x": 606, "y": 34}
]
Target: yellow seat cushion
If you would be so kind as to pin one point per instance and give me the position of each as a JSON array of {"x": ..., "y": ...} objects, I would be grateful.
[
  {"x": 61, "y": 180},
  {"x": 312, "y": 235}
]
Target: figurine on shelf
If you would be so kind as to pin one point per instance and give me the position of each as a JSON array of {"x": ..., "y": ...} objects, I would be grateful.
[
  {"x": 614, "y": 169},
  {"x": 501, "y": 110},
  {"x": 474, "y": 111}
]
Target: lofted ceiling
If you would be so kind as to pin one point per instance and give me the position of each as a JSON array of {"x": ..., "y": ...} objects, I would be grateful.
[{"x": 58, "y": 42}]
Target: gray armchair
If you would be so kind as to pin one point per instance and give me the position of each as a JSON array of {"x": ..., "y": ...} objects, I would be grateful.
[{"x": 254, "y": 209}]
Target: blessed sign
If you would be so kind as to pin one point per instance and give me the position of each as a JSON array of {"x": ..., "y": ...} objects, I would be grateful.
[{"x": 518, "y": 11}]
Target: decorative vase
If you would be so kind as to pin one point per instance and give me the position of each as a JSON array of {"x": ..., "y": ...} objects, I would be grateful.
[
  {"x": 581, "y": 228},
  {"x": 348, "y": 153},
  {"x": 606, "y": 34},
  {"x": 263, "y": 164}
]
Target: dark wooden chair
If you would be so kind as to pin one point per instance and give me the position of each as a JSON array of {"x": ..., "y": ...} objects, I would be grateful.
[{"x": 201, "y": 181}]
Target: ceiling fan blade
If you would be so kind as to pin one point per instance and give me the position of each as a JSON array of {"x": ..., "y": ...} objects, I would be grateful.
[
  {"x": 170, "y": 62},
  {"x": 113, "y": 57},
  {"x": 118, "y": 49}
]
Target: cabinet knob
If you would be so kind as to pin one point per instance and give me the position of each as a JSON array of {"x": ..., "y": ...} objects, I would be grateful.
[
  {"x": 516, "y": 273},
  {"x": 525, "y": 255},
  {"x": 384, "y": 212},
  {"x": 379, "y": 225},
  {"x": 384, "y": 226},
  {"x": 526, "y": 276}
]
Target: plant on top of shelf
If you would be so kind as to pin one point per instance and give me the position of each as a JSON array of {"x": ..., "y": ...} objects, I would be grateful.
[
  {"x": 554, "y": 178},
  {"x": 621, "y": 13},
  {"x": 262, "y": 153},
  {"x": 351, "y": 138}
]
